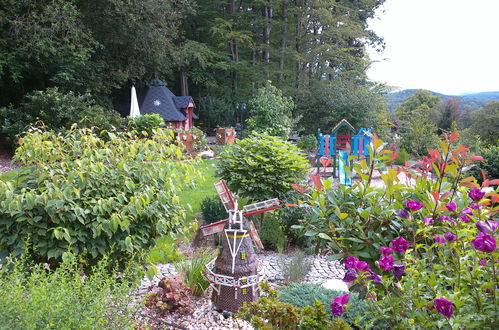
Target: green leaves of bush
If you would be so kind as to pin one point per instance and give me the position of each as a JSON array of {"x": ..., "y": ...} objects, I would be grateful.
[
  {"x": 92, "y": 195},
  {"x": 262, "y": 166}
]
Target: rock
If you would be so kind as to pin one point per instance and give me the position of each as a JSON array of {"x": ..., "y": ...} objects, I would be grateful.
[{"x": 335, "y": 284}]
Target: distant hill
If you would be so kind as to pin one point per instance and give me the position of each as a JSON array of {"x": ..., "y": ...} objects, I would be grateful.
[{"x": 468, "y": 101}]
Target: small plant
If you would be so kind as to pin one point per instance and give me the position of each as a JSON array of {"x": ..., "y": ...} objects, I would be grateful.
[
  {"x": 165, "y": 250},
  {"x": 271, "y": 233},
  {"x": 402, "y": 158},
  {"x": 171, "y": 295},
  {"x": 270, "y": 313},
  {"x": 213, "y": 209},
  {"x": 33, "y": 296},
  {"x": 146, "y": 124},
  {"x": 307, "y": 143},
  {"x": 192, "y": 271},
  {"x": 294, "y": 268}
]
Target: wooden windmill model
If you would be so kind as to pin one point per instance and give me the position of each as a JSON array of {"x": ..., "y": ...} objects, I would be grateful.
[{"x": 233, "y": 275}]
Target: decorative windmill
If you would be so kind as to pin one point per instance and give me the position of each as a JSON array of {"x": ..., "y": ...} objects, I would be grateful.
[{"x": 233, "y": 275}]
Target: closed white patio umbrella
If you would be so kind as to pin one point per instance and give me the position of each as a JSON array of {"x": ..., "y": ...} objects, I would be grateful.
[{"x": 134, "y": 105}]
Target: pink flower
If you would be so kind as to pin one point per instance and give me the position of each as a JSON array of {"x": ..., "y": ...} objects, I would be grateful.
[
  {"x": 350, "y": 275},
  {"x": 414, "y": 205},
  {"x": 443, "y": 218},
  {"x": 475, "y": 206},
  {"x": 450, "y": 237},
  {"x": 488, "y": 226},
  {"x": 444, "y": 307},
  {"x": 485, "y": 243},
  {"x": 350, "y": 262},
  {"x": 400, "y": 244},
  {"x": 337, "y": 306},
  {"x": 398, "y": 270},
  {"x": 439, "y": 239},
  {"x": 362, "y": 265},
  {"x": 452, "y": 206},
  {"x": 428, "y": 220},
  {"x": 476, "y": 194},
  {"x": 385, "y": 250},
  {"x": 386, "y": 263},
  {"x": 342, "y": 300},
  {"x": 482, "y": 262},
  {"x": 464, "y": 218},
  {"x": 467, "y": 210}
]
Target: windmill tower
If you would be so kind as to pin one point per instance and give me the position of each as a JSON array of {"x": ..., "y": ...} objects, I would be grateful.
[{"x": 233, "y": 275}]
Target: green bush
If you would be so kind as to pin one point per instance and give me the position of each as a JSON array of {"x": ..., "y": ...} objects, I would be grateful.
[
  {"x": 81, "y": 192},
  {"x": 147, "y": 124},
  {"x": 305, "y": 294},
  {"x": 213, "y": 209},
  {"x": 34, "y": 297},
  {"x": 192, "y": 271},
  {"x": 165, "y": 250},
  {"x": 57, "y": 110},
  {"x": 490, "y": 164},
  {"x": 307, "y": 143},
  {"x": 262, "y": 166},
  {"x": 294, "y": 268},
  {"x": 402, "y": 157},
  {"x": 271, "y": 234}
]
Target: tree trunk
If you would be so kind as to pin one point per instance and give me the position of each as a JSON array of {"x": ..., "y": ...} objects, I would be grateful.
[
  {"x": 184, "y": 84},
  {"x": 284, "y": 33},
  {"x": 231, "y": 8},
  {"x": 267, "y": 14}
]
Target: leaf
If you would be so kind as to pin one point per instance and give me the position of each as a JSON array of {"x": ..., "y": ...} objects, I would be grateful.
[
  {"x": 453, "y": 136},
  {"x": 325, "y": 236}
]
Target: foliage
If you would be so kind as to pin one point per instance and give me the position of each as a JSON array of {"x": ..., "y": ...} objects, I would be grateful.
[
  {"x": 165, "y": 250},
  {"x": 295, "y": 267},
  {"x": 261, "y": 166},
  {"x": 192, "y": 271},
  {"x": 147, "y": 124},
  {"x": 37, "y": 297},
  {"x": 213, "y": 209},
  {"x": 446, "y": 264},
  {"x": 78, "y": 191},
  {"x": 270, "y": 112},
  {"x": 199, "y": 139},
  {"x": 270, "y": 313},
  {"x": 486, "y": 121},
  {"x": 271, "y": 233},
  {"x": 58, "y": 111},
  {"x": 305, "y": 294},
  {"x": 402, "y": 157},
  {"x": 489, "y": 165},
  {"x": 307, "y": 143},
  {"x": 171, "y": 295}
]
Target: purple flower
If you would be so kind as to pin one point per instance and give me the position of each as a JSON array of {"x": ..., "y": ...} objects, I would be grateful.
[
  {"x": 362, "y": 265},
  {"x": 464, "y": 218},
  {"x": 350, "y": 275},
  {"x": 450, "y": 237},
  {"x": 414, "y": 205},
  {"x": 398, "y": 270},
  {"x": 428, "y": 220},
  {"x": 337, "y": 304},
  {"x": 467, "y": 210},
  {"x": 350, "y": 262},
  {"x": 400, "y": 244},
  {"x": 386, "y": 262},
  {"x": 476, "y": 194},
  {"x": 336, "y": 309},
  {"x": 403, "y": 213},
  {"x": 385, "y": 250},
  {"x": 482, "y": 262},
  {"x": 439, "y": 239},
  {"x": 375, "y": 278},
  {"x": 452, "y": 206},
  {"x": 484, "y": 242},
  {"x": 445, "y": 218},
  {"x": 487, "y": 226},
  {"x": 475, "y": 206},
  {"x": 444, "y": 307}
]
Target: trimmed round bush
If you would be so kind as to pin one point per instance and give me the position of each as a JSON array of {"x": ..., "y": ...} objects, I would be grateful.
[{"x": 262, "y": 167}]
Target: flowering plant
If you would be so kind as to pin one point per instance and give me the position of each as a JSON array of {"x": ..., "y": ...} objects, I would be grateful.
[{"x": 439, "y": 267}]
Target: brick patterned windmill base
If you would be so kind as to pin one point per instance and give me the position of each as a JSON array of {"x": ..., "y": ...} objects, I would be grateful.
[{"x": 233, "y": 275}]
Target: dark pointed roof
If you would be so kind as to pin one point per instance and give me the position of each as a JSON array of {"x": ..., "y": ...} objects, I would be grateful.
[{"x": 159, "y": 99}]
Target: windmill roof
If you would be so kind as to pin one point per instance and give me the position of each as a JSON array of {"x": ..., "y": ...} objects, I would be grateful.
[
  {"x": 159, "y": 99},
  {"x": 343, "y": 122}
]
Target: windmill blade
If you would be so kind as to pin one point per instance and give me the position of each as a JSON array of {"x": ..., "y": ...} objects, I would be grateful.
[
  {"x": 213, "y": 228},
  {"x": 254, "y": 235},
  {"x": 225, "y": 195},
  {"x": 260, "y": 207}
]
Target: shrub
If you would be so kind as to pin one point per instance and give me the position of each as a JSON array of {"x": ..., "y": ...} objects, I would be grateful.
[
  {"x": 294, "y": 268},
  {"x": 34, "y": 297},
  {"x": 270, "y": 112},
  {"x": 305, "y": 294},
  {"x": 307, "y": 143},
  {"x": 270, "y": 313},
  {"x": 192, "y": 271},
  {"x": 81, "y": 192},
  {"x": 147, "y": 124},
  {"x": 489, "y": 165},
  {"x": 57, "y": 111},
  {"x": 171, "y": 296},
  {"x": 271, "y": 234},
  {"x": 213, "y": 209},
  {"x": 402, "y": 157},
  {"x": 165, "y": 250},
  {"x": 262, "y": 166}
]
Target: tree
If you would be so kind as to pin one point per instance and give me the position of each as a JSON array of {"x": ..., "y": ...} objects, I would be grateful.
[
  {"x": 270, "y": 112},
  {"x": 447, "y": 112},
  {"x": 486, "y": 122}
]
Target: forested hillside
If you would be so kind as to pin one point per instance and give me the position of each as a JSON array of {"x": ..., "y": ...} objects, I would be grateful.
[{"x": 219, "y": 52}]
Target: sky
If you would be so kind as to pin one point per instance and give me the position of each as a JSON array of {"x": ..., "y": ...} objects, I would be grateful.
[{"x": 447, "y": 46}]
